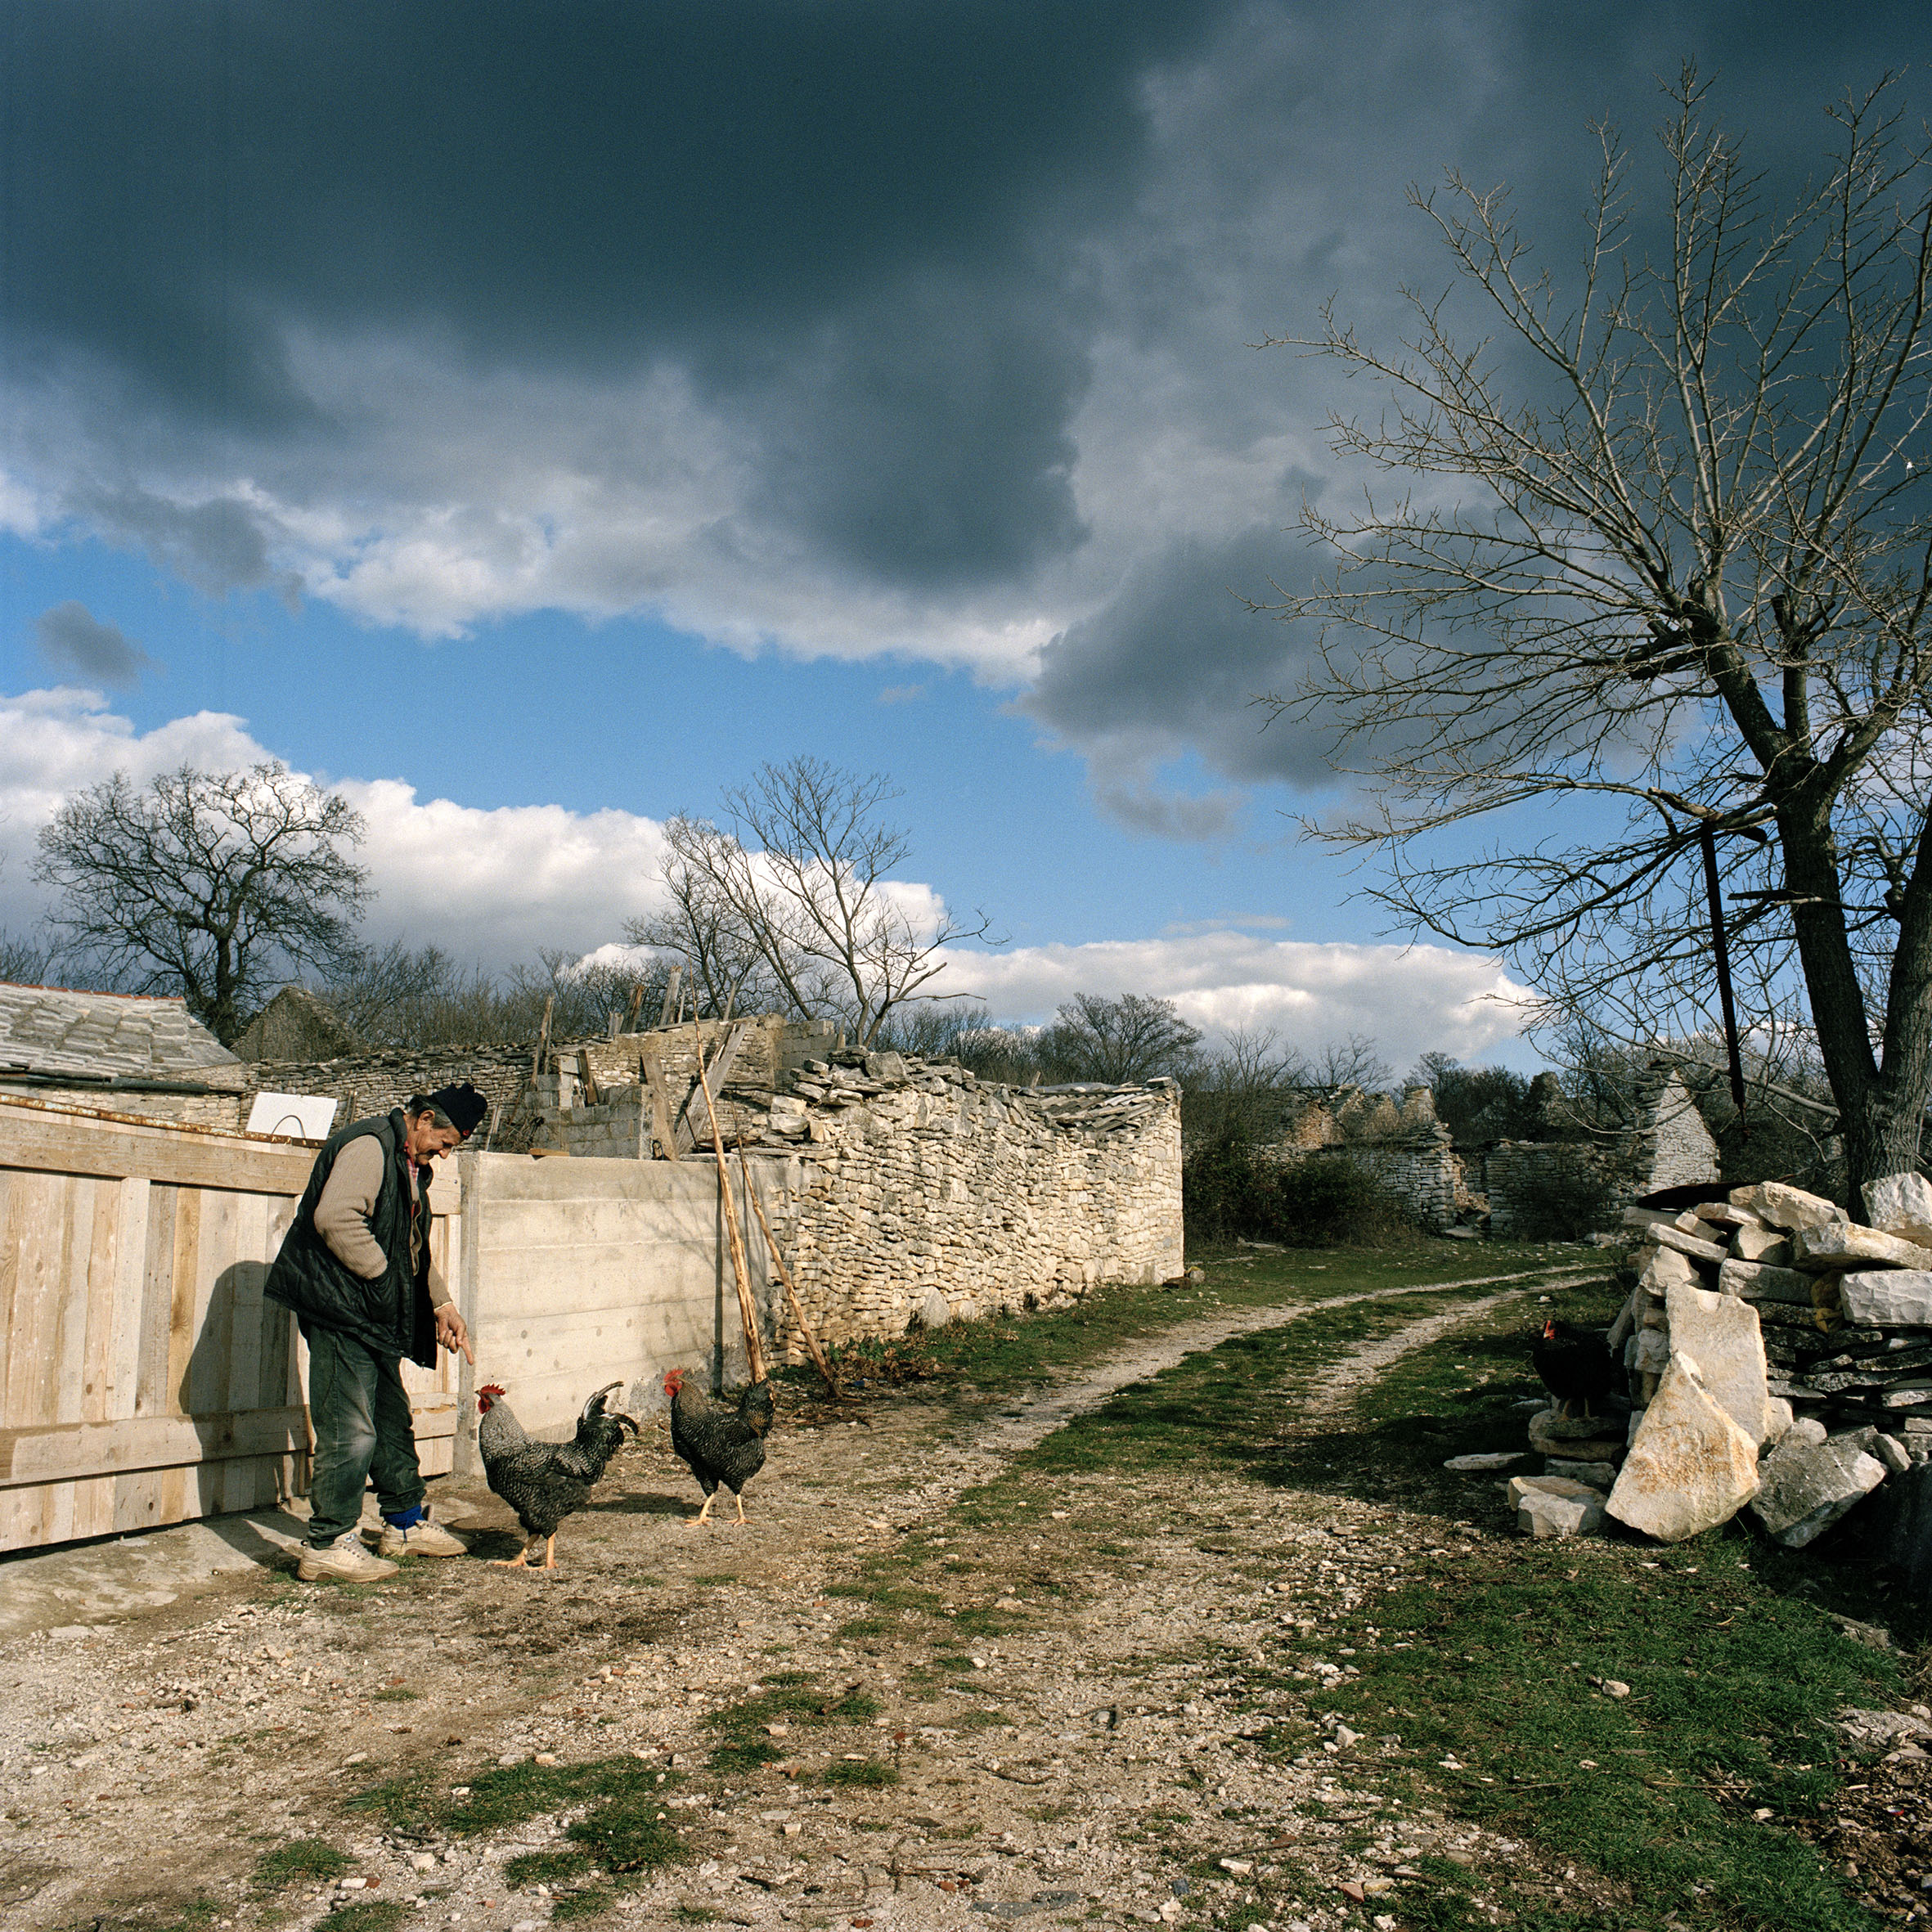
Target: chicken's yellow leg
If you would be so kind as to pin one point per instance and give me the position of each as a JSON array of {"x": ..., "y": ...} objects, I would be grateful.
[
  {"x": 550, "y": 1550},
  {"x": 703, "y": 1515},
  {"x": 739, "y": 1501},
  {"x": 520, "y": 1560}
]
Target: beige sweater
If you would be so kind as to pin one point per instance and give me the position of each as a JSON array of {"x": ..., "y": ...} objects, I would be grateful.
[{"x": 348, "y": 1200}]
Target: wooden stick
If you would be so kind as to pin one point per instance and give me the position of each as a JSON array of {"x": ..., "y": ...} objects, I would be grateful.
[
  {"x": 631, "y": 1012},
  {"x": 676, "y": 973},
  {"x": 784, "y": 1274},
  {"x": 543, "y": 1039},
  {"x": 740, "y": 1267}
]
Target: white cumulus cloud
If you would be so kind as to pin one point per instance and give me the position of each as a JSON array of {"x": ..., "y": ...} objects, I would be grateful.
[
  {"x": 495, "y": 883},
  {"x": 1409, "y": 999}
]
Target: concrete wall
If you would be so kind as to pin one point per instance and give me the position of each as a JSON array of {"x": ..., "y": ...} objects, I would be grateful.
[{"x": 577, "y": 1273}]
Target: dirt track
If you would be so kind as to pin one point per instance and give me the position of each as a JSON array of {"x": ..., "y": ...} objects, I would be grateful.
[{"x": 1072, "y": 1756}]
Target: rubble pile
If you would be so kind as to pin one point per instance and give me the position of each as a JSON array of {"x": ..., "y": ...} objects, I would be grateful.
[{"x": 1779, "y": 1357}]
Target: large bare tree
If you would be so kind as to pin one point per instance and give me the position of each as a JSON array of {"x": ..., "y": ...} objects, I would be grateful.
[
  {"x": 793, "y": 892},
  {"x": 1649, "y": 590},
  {"x": 217, "y": 886}
]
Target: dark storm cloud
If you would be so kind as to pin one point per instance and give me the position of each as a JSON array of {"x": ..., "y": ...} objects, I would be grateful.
[
  {"x": 832, "y": 215},
  {"x": 1176, "y": 660},
  {"x": 72, "y": 637},
  {"x": 854, "y": 325}
]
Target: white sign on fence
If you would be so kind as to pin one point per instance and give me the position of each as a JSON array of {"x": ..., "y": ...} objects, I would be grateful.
[{"x": 308, "y": 1116}]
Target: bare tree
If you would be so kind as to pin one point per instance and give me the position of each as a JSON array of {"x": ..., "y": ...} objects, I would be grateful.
[
  {"x": 1671, "y": 568},
  {"x": 704, "y": 927},
  {"x": 1241, "y": 1093},
  {"x": 798, "y": 879},
  {"x": 1130, "y": 1038},
  {"x": 219, "y": 886},
  {"x": 23, "y": 961}
]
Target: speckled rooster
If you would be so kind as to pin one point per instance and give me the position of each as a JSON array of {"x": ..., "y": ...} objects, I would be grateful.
[
  {"x": 720, "y": 1443},
  {"x": 545, "y": 1481}
]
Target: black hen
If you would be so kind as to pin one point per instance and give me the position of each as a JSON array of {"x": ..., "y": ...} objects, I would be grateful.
[
  {"x": 1575, "y": 1364},
  {"x": 721, "y": 1444},
  {"x": 545, "y": 1481}
]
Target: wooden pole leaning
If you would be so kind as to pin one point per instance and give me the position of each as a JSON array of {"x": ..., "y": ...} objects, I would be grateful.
[
  {"x": 740, "y": 1267},
  {"x": 784, "y": 1274}
]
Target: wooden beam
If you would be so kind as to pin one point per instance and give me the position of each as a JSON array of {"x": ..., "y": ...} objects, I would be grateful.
[
  {"x": 677, "y": 969},
  {"x": 692, "y": 1124},
  {"x": 586, "y": 1079},
  {"x": 663, "y": 1136},
  {"x": 52, "y": 1143},
  {"x": 784, "y": 1274},
  {"x": 740, "y": 1269},
  {"x": 73, "y": 1452},
  {"x": 543, "y": 1039}
]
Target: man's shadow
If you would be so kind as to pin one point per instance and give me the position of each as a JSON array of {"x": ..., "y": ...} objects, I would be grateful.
[{"x": 241, "y": 1390}]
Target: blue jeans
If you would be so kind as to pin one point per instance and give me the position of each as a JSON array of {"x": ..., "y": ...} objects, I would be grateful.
[{"x": 361, "y": 1415}]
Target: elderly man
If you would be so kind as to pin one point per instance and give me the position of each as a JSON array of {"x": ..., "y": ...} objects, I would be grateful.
[{"x": 355, "y": 1267}]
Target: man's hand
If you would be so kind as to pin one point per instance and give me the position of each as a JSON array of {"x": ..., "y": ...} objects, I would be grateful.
[{"x": 451, "y": 1333}]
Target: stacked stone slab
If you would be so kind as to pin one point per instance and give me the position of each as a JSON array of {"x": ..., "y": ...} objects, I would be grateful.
[{"x": 1810, "y": 1334}]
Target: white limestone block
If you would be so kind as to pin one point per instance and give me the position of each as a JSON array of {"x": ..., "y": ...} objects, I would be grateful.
[
  {"x": 1555, "y": 1506},
  {"x": 1806, "y": 1486},
  {"x": 1689, "y": 1467},
  {"x": 1843, "y": 1244},
  {"x": 1720, "y": 1333},
  {"x": 1784, "y": 1207},
  {"x": 1771, "y": 1245},
  {"x": 1664, "y": 1267},
  {"x": 1887, "y": 1297},
  {"x": 1758, "y": 1281},
  {"x": 1901, "y": 1204}
]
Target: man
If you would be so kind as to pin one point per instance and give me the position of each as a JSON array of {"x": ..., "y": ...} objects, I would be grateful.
[{"x": 355, "y": 1267}]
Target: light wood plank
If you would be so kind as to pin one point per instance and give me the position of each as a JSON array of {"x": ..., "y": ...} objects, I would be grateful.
[
  {"x": 157, "y": 1303},
  {"x": 53, "y": 1143},
  {"x": 35, "y": 1237}
]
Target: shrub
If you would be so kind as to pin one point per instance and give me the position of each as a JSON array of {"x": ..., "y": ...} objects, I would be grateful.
[{"x": 1229, "y": 1192}]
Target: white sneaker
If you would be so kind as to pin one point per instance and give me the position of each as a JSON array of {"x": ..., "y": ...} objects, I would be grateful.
[
  {"x": 347, "y": 1559},
  {"x": 425, "y": 1539}
]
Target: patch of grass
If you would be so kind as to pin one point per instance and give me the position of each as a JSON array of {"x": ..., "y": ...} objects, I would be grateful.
[
  {"x": 874, "y": 1771},
  {"x": 788, "y": 1697},
  {"x": 625, "y": 1830},
  {"x": 393, "y": 1694},
  {"x": 1735, "y": 1666},
  {"x": 368, "y": 1914},
  {"x": 717, "y": 1577},
  {"x": 1005, "y": 1352},
  {"x": 585, "y": 1901},
  {"x": 886, "y": 1594},
  {"x": 301, "y": 1861},
  {"x": 544, "y": 1868}
]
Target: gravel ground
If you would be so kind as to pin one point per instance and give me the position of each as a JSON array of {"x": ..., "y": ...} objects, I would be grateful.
[{"x": 1090, "y": 1754}]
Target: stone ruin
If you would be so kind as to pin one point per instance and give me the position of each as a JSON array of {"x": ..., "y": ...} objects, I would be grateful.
[
  {"x": 1779, "y": 1359},
  {"x": 1468, "y": 1191}
]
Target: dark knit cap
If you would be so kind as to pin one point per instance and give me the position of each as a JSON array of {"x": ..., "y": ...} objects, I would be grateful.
[{"x": 462, "y": 1107}]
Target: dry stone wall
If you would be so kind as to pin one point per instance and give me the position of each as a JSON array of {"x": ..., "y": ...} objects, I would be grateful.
[
  {"x": 1504, "y": 1185},
  {"x": 929, "y": 1187}
]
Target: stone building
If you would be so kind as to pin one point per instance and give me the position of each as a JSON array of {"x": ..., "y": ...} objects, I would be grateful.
[
  {"x": 126, "y": 1052},
  {"x": 1499, "y": 1187}
]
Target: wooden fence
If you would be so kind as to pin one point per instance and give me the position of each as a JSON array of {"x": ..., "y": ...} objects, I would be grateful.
[{"x": 145, "y": 1379}]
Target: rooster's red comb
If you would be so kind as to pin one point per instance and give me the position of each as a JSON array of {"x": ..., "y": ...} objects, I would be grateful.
[{"x": 490, "y": 1388}]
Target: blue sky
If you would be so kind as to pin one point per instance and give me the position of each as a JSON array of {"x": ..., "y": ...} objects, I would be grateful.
[{"x": 530, "y": 420}]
